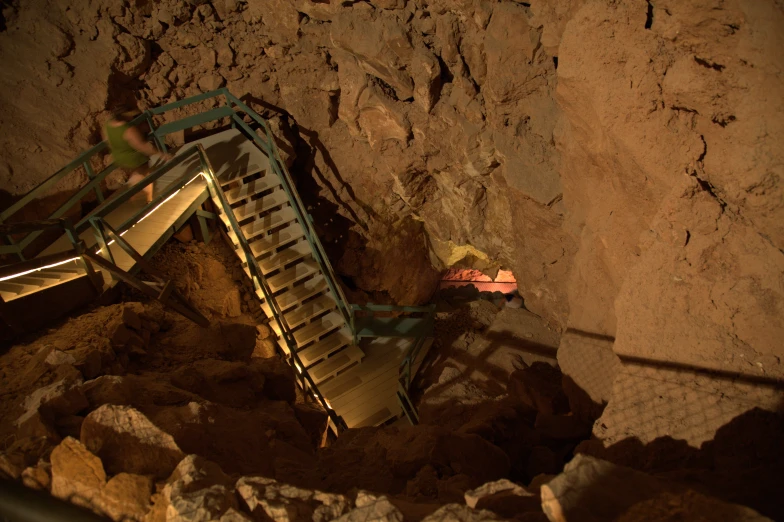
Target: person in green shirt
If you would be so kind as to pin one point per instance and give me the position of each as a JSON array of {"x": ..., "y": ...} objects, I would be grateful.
[{"x": 130, "y": 150}]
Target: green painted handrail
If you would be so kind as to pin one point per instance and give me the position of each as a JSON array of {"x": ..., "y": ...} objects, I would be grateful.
[
  {"x": 51, "y": 180},
  {"x": 260, "y": 282}
]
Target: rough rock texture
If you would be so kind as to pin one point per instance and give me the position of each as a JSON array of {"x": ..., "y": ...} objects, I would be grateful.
[
  {"x": 126, "y": 440},
  {"x": 622, "y": 159},
  {"x": 77, "y": 474},
  {"x": 288, "y": 503},
  {"x": 590, "y": 489}
]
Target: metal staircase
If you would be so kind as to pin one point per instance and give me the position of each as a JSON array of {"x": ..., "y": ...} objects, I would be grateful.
[{"x": 362, "y": 356}]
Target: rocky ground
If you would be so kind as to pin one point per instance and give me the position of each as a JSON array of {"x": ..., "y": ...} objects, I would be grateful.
[{"x": 136, "y": 413}]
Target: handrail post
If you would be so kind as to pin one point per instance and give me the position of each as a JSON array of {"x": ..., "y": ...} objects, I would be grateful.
[
  {"x": 88, "y": 168},
  {"x": 100, "y": 238},
  {"x": 158, "y": 141},
  {"x": 260, "y": 282}
]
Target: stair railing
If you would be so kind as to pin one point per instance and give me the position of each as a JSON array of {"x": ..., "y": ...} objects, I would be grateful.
[
  {"x": 279, "y": 168},
  {"x": 260, "y": 282}
]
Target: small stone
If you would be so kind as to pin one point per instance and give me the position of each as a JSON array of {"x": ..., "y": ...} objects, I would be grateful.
[
  {"x": 372, "y": 508},
  {"x": 263, "y": 330},
  {"x": 37, "y": 477},
  {"x": 131, "y": 318}
]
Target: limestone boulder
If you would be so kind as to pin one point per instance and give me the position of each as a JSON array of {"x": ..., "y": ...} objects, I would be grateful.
[
  {"x": 372, "y": 507},
  {"x": 284, "y": 503},
  {"x": 125, "y": 497},
  {"x": 38, "y": 477},
  {"x": 198, "y": 490},
  {"x": 503, "y": 497},
  {"x": 45, "y": 405},
  {"x": 77, "y": 474},
  {"x": 590, "y": 489},
  {"x": 126, "y": 440}
]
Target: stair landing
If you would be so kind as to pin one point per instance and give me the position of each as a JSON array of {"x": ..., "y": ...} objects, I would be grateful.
[{"x": 366, "y": 394}]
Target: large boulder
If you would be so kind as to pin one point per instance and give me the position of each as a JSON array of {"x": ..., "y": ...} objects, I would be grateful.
[
  {"x": 284, "y": 503},
  {"x": 126, "y": 440},
  {"x": 77, "y": 475},
  {"x": 239, "y": 441},
  {"x": 591, "y": 490},
  {"x": 61, "y": 398}
]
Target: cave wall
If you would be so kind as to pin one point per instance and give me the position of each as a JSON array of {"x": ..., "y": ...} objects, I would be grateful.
[{"x": 622, "y": 158}]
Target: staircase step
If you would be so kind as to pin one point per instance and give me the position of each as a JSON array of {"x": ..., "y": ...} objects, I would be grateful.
[
  {"x": 292, "y": 275},
  {"x": 340, "y": 361},
  {"x": 31, "y": 280},
  {"x": 284, "y": 257},
  {"x": 312, "y": 308},
  {"x": 325, "y": 347},
  {"x": 318, "y": 328},
  {"x": 269, "y": 243},
  {"x": 301, "y": 314},
  {"x": 269, "y": 181},
  {"x": 49, "y": 274},
  {"x": 296, "y": 295},
  {"x": 11, "y": 288},
  {"x": 272, "y": 220},
  {"x": 260, "y": 205}
]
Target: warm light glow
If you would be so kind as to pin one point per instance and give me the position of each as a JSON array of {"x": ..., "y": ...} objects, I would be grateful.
[{"x": 20, "y": 274}]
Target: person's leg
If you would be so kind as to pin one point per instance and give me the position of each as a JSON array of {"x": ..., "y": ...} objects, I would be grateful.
[{"x": 137, "y": 176}]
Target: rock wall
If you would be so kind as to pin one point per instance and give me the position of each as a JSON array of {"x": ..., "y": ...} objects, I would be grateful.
[{"x": 623, "y": 159}]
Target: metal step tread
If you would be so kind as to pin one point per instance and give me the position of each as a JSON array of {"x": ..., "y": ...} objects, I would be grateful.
[
  {"x": 269, "y": 181},
  {"x": 296, "y": 295},
  {"x": 340, "y": 361},
  {"x": 260, "y": 205},
  {"x": 263, "y": 224},
  {"x": 325, "y": 347},
  {"x": 284, "y": 257},
  {"x": 31, "y": 280},
  {"x": 15, "y": 288},
  {"x": 266, "y": 244},
  {"x": 292, "y": 275},
  {"x": 319, "y": 327},
  {"x": 310, "y": 309},
  {"x": 297, "y": 316}
]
